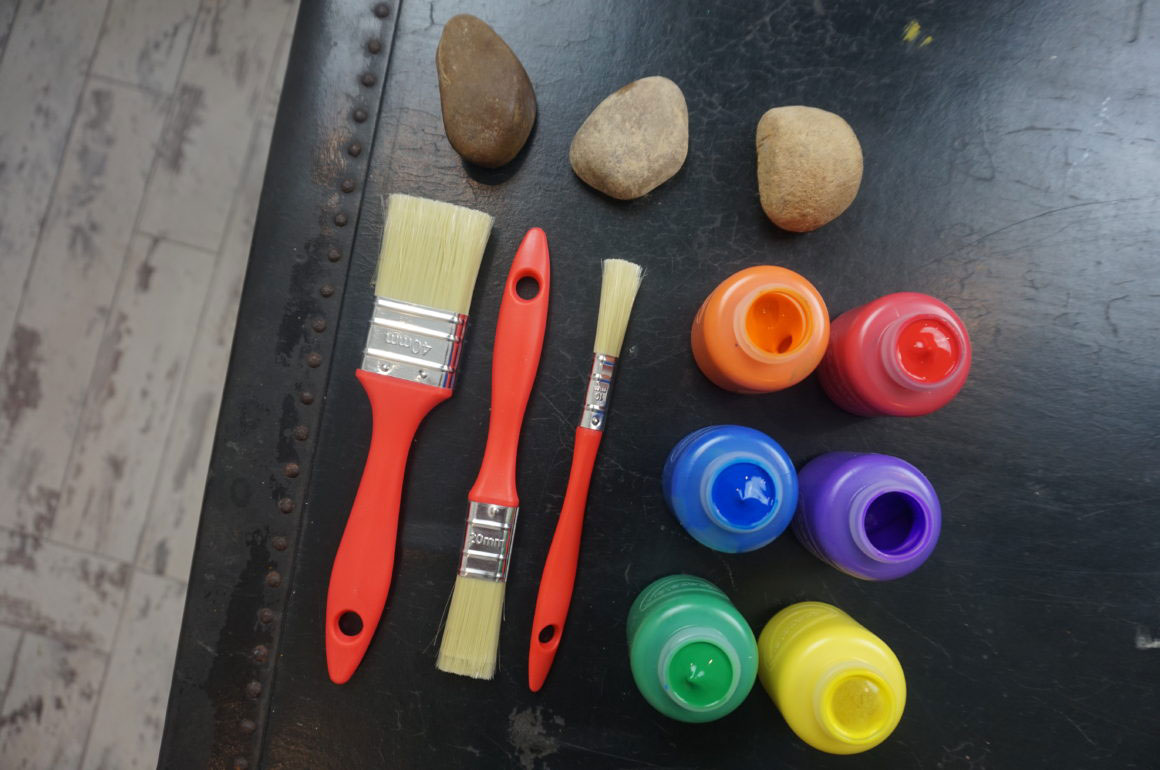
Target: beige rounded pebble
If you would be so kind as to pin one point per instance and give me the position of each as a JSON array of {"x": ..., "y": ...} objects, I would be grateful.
[
  {"x": 634, "y": 140},
  {"x": 809, "y": 166}
]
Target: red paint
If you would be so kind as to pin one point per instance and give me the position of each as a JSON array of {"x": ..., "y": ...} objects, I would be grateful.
[
  {"x": 904, "y": 354},
  {"x": 928, "y": 350}
]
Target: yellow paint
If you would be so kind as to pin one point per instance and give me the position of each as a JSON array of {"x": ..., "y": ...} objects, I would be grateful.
[
  {"x": 838, "y": 686},
  {"x": 926, "y": 41},
  {"x": 911, "y": 32}
]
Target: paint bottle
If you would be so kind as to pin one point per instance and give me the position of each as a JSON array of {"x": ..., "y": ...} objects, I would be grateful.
[
  {"x": 732, "y": 488},
  {"x": 904, "y": 355},
  {"x": 692, "y": 655},
  {"x": 872, "y": 516},
  {"x": 762, "y": 329},
  {"x": 838, "y": 686}
]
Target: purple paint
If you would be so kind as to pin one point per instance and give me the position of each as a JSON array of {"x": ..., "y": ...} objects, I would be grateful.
[{"x": 872, "y": 516}]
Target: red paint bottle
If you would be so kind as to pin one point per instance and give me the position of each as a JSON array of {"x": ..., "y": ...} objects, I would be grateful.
[{"x": 904, "y": 355}]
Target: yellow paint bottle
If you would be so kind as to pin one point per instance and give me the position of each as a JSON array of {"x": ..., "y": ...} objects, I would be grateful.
[{"x": 839, "y": 687}]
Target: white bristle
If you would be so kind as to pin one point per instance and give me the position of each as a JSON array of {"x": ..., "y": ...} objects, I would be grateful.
[
  {"x": 431, "y": 253},
  {"x": 471, "y": 636},
  {"x": 617, "y": 293}
]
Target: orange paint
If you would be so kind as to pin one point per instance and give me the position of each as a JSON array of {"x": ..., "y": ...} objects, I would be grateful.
[{"x": 762, "y": 329}]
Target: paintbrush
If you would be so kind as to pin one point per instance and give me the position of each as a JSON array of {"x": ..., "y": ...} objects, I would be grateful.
[
  {"x": 471, "y": 637},
  {"x": 618, "y": 291},
  {"x": 427, "y": 268}
]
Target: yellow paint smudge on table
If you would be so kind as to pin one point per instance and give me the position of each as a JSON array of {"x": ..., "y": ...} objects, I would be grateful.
[{"x": 911, "y": 33}]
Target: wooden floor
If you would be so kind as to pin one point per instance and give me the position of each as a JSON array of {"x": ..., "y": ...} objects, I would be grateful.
[{"x": 133, "y": 139}]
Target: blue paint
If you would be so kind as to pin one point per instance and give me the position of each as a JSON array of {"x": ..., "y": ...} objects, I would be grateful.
[
  {"x": 743, "y": 494},
  {"x": 732, "y": 488}
]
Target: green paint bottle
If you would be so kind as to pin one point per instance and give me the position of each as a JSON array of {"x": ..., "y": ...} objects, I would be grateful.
[{"x": 693, "y": 656}]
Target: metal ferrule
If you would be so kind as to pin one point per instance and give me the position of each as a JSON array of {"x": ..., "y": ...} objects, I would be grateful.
[
  {"x": 599, "y": 389},
  {"x": 414, "y": 342},
  {"x": 487, "y": 544}
]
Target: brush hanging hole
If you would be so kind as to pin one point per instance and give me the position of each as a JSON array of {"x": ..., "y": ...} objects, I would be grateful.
[
  {"x": 547, "y": 634},
  {"x": 527, "y": 287},
  {"x": 350, "y": 623}
]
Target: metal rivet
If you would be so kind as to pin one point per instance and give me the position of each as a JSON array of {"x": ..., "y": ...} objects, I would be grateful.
[
  {"x": 314, "y": 360},
  {"x": 334, "y": 254},
  {"x": 286, "y": 505},
  {"x": 253, "y": 689},
  {"x": 260, "y": 653},
  {"x": 354, "y": 149},
  {"x": 247, "y": 726},
  {"x": 368, "y": 79},
  {"x": 241, "y": 763},
  {"x": 347, "y": 187},
  {"x": 359, "y": 115},
  {"x": 318, "y": 325},
  {"x": 374, "y": 46},
  {"x": 340, "y": 219},
  {"x": 279, "y": 543},
  {"x": 266, "y": 615},
  {"x": 306, "y": 397},
  {"x": 301, "y": 432},
  {"x": 326, "y": 290},
  {"x": 273, "y": 579},
  {"x": 291, "y": 470},
  {"x": 382, "y": 10}
]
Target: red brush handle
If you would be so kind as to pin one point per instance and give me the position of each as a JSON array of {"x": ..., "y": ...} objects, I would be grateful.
[
  {"x": 560, "y": 569},
  {"x": 361, "y": 575},
  {"x": 519, "y": 338}
]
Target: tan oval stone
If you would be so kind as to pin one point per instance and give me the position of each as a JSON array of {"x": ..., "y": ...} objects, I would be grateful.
[
  {"x": 634, "y": 140},
  {"x": 488, "y": 102},
  {"x": 809, "y": 166}
]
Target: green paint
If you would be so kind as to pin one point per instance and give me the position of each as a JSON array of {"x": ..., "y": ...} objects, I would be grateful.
[
  {"x": 700, "y": 674},
  {"x": 693, "y": 656}
]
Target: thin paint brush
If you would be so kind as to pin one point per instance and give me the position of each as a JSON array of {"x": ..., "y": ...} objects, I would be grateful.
[
  {"x": 621, "y": 280},
  {"x": 471, "y": 637},
  {"x": 427, "y": 269}
]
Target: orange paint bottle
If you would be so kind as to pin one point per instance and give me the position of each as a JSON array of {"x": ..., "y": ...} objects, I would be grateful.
[{"x": 762, "y": 329}]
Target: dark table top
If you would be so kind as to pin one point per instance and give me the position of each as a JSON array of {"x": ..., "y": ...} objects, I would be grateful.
[{"x": 1011, "y": 169}]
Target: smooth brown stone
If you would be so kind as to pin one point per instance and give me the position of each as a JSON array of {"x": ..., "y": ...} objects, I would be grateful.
[
  {"x": 809, "y": 167},
  {"x": 635, "y": 140},
  {"x": 488, "y": 102}
]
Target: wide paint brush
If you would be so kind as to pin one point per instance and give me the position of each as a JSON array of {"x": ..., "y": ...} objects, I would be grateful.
[{"x": 427, "y": 268}]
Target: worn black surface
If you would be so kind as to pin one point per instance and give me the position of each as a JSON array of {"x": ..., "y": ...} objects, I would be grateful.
[
  {"x": 273, "y": 402},
  {"x": 1011, "y": 169}
]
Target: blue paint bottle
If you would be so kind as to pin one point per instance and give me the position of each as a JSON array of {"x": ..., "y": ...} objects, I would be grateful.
[{"x": 732, "y": 488}]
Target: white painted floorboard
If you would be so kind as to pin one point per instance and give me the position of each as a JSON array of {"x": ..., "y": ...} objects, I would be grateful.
[{"x": 133, "y": 143}]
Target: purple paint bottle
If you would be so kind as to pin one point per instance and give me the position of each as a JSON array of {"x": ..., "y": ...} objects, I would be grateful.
[{"x": 872, "y": 516}]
